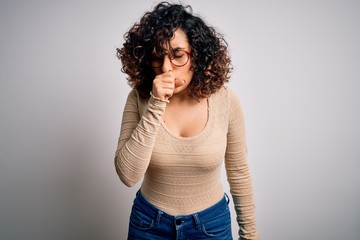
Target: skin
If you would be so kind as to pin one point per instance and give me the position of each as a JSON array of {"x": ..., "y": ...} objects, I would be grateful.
[{"x": 184, "y": 116}]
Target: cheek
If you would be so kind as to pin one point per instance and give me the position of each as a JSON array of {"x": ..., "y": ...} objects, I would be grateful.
[
  {"x": 188, "y": 78},
  {"x": 190, "y": 75}
]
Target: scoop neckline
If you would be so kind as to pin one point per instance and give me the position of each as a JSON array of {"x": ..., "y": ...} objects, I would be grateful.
[{"x": 204, "y": 129}]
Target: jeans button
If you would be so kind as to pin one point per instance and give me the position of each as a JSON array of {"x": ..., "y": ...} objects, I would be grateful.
[{"x": 178, "y": 221}]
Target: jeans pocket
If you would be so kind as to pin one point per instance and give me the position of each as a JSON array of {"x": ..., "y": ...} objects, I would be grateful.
[
  {"x": 140, "y": 220},
  {"x": 220, "y": 226}
]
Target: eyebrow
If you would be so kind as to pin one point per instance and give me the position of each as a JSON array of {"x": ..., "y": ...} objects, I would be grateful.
[
  {"x": 173, "y": 49},
  {"x": 178, "y": 48}
]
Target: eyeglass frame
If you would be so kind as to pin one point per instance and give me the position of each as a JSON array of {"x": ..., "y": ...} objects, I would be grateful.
[{"x": 170, "y": 58}]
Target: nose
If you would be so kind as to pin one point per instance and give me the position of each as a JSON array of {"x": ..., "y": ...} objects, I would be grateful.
[{"x": 167, "y": 65}]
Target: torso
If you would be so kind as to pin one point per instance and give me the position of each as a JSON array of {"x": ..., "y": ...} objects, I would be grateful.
[{"x": 183, "y": 176}]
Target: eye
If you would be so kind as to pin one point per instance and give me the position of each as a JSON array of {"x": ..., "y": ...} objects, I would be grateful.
[{"x": 178, "y": 54}]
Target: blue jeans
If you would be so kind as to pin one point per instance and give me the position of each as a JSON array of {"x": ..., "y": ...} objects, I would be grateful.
[{"x": 148, "y": 222}]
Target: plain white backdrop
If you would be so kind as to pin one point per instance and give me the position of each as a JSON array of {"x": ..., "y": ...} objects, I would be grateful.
[{"x": 296, "y": 70}]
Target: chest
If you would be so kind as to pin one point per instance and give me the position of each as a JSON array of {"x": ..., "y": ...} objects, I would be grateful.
[
  {"x": 186, "y": 120},
  {"x": 204, "y": 150}
]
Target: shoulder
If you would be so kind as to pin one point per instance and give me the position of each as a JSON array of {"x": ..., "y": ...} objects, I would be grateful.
[
  {"x": 135, "y": 101},
  {"x": 228, "y": 102},
  {"x": 135, "y": 97},
  {"x": 133, "y": 94},
  {"x": 228, "y": 95}
]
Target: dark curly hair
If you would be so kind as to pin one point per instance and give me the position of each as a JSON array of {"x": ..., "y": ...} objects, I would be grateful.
[{"x": 209, "y": 55}]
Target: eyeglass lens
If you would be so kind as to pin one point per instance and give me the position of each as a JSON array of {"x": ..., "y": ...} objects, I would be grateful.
[{"x": 177, "y": 57}]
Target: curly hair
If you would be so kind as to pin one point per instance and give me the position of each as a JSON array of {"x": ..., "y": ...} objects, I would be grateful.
[{"x": 210, "y": 59}]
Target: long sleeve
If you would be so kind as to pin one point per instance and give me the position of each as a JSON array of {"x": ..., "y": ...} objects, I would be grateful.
[
  {"x": 237, "y": 171},
  {"x": 137, "y": 137}
]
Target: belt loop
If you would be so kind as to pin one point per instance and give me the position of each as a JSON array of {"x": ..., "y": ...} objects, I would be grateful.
[
  {"x": 159, "y": 217},
  {"x": 227, "y": 198},
  {"x": 197, "y": 221}
]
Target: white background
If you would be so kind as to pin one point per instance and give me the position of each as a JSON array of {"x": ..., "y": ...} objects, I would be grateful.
[{"x": 296, "y": 70}]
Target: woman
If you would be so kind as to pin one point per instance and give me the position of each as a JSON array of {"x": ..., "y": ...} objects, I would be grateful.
[{"x": 179, "y": 124}]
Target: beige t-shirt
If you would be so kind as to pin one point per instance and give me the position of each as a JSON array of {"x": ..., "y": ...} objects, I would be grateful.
[{"x": 182, "y": 175}]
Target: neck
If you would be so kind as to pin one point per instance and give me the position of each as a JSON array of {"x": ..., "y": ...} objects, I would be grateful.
[
  {"x": 181, "y": 96},
  {"x": 184, "y": 98}
]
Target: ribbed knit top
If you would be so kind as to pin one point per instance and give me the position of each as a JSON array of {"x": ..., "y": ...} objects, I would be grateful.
[{"x": 182, "y": 175}]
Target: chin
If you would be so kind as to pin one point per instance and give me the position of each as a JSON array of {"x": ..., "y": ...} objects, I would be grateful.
[{"x": 179, "y": 89}]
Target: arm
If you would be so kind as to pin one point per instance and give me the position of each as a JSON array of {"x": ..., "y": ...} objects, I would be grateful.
[
  {"x": 137, "y": 138},
  {"x": 237, "y": 171}
]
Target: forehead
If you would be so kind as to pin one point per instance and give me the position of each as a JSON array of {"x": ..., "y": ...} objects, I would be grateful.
[{"x": 179, "y": 40}]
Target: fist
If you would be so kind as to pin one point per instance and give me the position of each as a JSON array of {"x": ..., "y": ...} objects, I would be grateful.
[{"x": 164, "y": 85}]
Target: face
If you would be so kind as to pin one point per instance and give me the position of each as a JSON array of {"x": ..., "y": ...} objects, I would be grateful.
[{"x": 176, "y": 61}]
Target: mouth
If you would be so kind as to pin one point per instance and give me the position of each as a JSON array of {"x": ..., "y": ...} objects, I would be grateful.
[{"x": 179, "y": 83}]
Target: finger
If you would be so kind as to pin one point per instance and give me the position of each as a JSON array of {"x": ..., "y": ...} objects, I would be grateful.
[
  {"x": 164, "y": 79},
  {"x": 162, "y": 90},
  {"x": 164, "y": 84},
  {"x": 164, "y": 94},
  {"x": 168, "y": 79},
  {"x": 167, "y": 75}
]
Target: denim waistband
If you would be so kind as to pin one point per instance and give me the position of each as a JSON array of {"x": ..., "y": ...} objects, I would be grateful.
[{"x": 214, "y": 210}]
